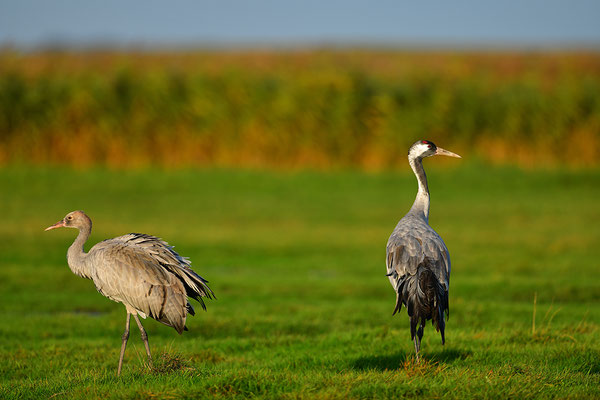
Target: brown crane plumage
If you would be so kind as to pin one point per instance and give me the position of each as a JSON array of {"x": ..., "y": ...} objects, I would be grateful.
[{"x": 141, "y": 271}]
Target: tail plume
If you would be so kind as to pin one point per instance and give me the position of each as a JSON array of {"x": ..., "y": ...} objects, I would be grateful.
[{"x": 425, "y": 299}]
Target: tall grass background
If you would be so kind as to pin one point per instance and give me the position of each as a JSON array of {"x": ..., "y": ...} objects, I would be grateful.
[{"x": 318, "y": 108}]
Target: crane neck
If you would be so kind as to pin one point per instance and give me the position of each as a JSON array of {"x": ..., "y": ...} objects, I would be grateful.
[
  {"x": 76, "y": 256},
  {"x": 420, "y": 207}
]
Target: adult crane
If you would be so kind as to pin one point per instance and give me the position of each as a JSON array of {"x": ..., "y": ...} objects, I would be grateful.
[
  {"x": 141, "y": 271},
  {"x": 418, "y": 262}
]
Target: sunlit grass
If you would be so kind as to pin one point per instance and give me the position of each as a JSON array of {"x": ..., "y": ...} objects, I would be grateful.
[{"x": 296, "y": 260}]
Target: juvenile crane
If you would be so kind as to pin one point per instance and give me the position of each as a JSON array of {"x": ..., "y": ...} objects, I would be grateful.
[
  {"x": 141, "y": 271},
  {"x": 418, "y": 262}
]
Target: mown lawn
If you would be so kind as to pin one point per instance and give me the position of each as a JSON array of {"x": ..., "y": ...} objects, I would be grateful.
[{"x": 304, "y": 308}]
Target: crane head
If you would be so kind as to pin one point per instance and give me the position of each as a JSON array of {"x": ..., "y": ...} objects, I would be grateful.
[
  {"x": 425, "y": 148},
  {"x": 74, "y": 219}
]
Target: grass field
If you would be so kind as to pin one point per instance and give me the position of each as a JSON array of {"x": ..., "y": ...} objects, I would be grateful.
[{"x": 304, "y": 308}]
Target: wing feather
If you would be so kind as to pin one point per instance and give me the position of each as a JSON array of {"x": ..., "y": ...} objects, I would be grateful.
[
  {"x": 147, "y": 275},
  {"x": 414, "y": 243}
]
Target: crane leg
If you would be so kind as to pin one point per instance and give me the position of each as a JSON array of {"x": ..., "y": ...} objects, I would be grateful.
[
  {"x": 417, "y": 341},
  {"x": 124, "y": 339},
  {"x": 417, "y": 346},
  {"x": 144, "y": 338}
]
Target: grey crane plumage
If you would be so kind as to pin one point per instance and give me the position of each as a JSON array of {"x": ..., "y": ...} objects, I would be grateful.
[
  {"x": 141, "y": 271},
  {"x": 417, "y": 259}
]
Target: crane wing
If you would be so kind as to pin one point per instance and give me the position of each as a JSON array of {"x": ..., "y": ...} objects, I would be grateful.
[
  {"x": 145, "y": 273},
  {"x": 412, "y": 244}
]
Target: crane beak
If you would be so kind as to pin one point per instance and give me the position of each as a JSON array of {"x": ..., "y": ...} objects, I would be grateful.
[
  {"x": 59, "y": 224},
  {"x": 443, "y": 152}
]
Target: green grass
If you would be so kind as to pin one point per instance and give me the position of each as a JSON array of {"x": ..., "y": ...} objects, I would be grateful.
[{"x": 296, "y": 260}]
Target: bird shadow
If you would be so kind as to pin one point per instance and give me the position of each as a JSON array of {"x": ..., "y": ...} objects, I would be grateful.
[
  {"x": 380, "y": 363},
  {"x": 400, "y": 359}
]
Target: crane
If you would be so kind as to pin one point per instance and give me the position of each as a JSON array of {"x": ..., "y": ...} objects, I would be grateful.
[
  {"x": 140, "y": 271},
  {"x": 417, "y": 259}
]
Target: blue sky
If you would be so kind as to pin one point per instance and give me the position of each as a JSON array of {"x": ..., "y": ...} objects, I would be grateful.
[{"x": 559, "y": 23}]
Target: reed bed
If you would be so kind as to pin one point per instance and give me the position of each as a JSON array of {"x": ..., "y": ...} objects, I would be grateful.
[{"x": 304, "y": 108}]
